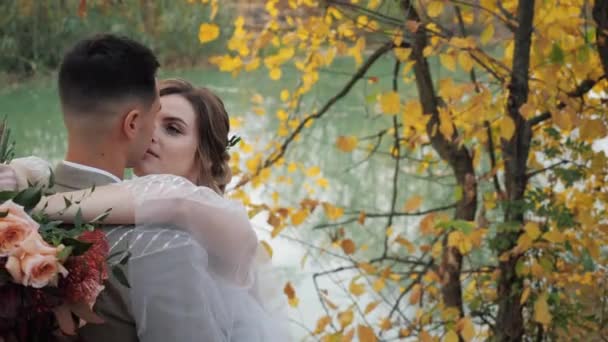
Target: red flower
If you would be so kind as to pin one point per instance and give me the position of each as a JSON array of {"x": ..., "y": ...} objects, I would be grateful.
[{"x": 88, "y": 271}]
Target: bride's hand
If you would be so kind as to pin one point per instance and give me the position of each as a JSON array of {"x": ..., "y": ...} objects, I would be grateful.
[{"x": 8, "y": 178}]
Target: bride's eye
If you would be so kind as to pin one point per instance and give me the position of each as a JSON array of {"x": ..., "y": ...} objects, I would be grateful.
[{"x": 173, "y": 130}]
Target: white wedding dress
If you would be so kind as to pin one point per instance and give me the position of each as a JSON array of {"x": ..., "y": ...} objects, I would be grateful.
[{"x": 242, "y": 295}]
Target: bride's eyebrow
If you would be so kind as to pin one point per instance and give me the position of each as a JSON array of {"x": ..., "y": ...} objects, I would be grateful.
[{"x": 177, "y": 120}]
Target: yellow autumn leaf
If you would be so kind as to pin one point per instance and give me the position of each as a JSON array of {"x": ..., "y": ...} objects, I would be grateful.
[
  {"x": 322, "y": 323},
  {"x": 282, "y": 115},
  {"x": 507, "y": 127},
  {"x": 385, "y": 324},
  {"x": 312, "y": 171},
  {"x": 259, "y": 111},
  {"x": 366, "y": 334},
  {"x": 532, "y": 230},
  {"x": 465, "y": 61},
  {"x": 299, "y": 217},
  {"x": 292, "y": 167},
  {"x": 284, "y": 95},
  {"x": 267, "y": 248},
  {"x": 467, "y": 329},
  {"x": 345, "y": 318},
  {"x": 406, "y": 243},
  {"x": 390, "y": 103},
  {"x": 487, "y": 34},
  {"x": 592, "y": 129},
  {"x": 348, "y": 246},
  {"x": 448, "y": 61},
  {"x": 434, "y": 8},
  {"x": 402, "y": 54},
  {"x": 322, "y": 182},
  {"x": 362, "y": 217},
  {"x": 208, "y": 33},
  {"x": 379, "y": 284},
  {"x": 542, "y": 314},
  {"x": 356, "y": 288},
  {"x": 347, "y": 143},
  {"x": 445, "y": 123},
  {"x": 554, "y": 236},
  {"x": 371, "y": 306},
  {"x": 413, "y": 203},
  {"x": 291, "y": 295},
  {"x": 415, "y": 294},
  {"x": 424, "y": 336},
  {"x": 524, "y": 296},
  {"x": 257, "y": 99},
  {"x": 450, "y": 336},
  {"x": 332, "y": 212},
  {"x": 275, "y": 74}
]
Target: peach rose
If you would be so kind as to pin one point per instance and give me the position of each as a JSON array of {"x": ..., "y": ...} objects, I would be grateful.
[
  {"x": 15, "y": 227},
  {"x": 35, "y": 263}
]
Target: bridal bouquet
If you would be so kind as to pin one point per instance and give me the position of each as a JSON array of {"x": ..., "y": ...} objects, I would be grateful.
[
  {"x": 50, "y": 274},
  {"x": 47, "y": 273}
]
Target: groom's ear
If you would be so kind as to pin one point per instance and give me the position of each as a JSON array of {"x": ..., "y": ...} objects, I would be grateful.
[{"x": 130, "y": 123}]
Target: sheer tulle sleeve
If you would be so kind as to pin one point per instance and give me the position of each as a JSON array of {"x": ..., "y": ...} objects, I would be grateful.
[
  {"x": 31, "y": 169},
  {"x": 221, "y": 226}
]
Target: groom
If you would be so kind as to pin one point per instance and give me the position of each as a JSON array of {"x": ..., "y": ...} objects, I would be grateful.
[{"x": 109, "y": 100}]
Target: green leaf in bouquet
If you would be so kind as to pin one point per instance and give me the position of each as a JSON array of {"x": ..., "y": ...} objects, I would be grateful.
[
  {"x": 65, "y": 253},
  {"x": 6, "y": 195},
  {"x": 7, "y": 147},
  {"x": 78, "y": 219},
  {"x": 28, "y": 198},
  {"x": 120, "y": 276},
  {"x": 51, "y": 179},
  {"x": 79, "y": 247},
  {"x": 67, "y": 202},
  {"x": 101, "y": 217},
  {"x": 125, "y": 259}
]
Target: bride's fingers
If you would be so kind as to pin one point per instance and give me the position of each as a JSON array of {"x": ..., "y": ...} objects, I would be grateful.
[{"x": 8, "y": 178}]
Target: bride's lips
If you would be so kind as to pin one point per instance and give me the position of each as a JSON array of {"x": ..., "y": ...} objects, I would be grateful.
[{"x": 152, "y": 154}]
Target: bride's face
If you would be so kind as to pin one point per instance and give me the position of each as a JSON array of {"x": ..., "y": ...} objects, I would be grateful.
[{"x": 175, "y": 141}]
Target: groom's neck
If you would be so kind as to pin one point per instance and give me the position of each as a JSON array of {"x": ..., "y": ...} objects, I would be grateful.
[{"x": 99, "y": 158}]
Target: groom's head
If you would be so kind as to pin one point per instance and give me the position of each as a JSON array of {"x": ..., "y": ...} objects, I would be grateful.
[{"x": 107, "y": 86}]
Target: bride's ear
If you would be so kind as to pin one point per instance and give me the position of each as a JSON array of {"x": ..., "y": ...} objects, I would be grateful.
[{"x": 130, "y": 123}]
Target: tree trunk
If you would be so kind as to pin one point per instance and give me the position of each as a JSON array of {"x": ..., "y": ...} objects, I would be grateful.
[
  {"x": 509, "y": 321},
  {"x": 458, "y": 157}
]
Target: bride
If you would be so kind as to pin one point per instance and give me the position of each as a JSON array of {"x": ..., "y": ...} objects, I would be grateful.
[{"x": 181, "y": 180}]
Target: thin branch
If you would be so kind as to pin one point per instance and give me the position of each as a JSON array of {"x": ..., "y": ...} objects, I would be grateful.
[
  {"x": 322, "y": 300},
  {"x": 397, "y": 151},
  {"x": 536, "y": 172},
  {"x": 407, "y": 289},
  {"x": 492, "y": 157},
  {"x": 377, "y": 15},
  {"x": 489, "y": 11},
  {"x": 345, "y": 90},
  {"x": 417, "y": 213},
  {"x": 539, "y": 118},
  {"x": 383, "y": 215},
  {"x": 583, "y": 88}
]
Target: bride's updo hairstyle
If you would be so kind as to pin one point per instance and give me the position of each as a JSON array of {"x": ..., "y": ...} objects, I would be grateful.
[{"x": 213, "y": 126}]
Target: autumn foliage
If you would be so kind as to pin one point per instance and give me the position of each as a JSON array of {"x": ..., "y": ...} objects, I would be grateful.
[{"x": 510, "y": 98}]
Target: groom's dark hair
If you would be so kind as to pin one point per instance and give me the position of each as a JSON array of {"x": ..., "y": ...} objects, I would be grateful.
[{"x": 103, "y": 69}]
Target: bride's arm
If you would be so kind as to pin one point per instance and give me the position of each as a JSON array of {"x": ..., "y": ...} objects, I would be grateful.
[{"x": 220, "y": 225}]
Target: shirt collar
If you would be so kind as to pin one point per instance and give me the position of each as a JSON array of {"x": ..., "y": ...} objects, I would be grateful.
[{"x": 92, "y": 169}]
